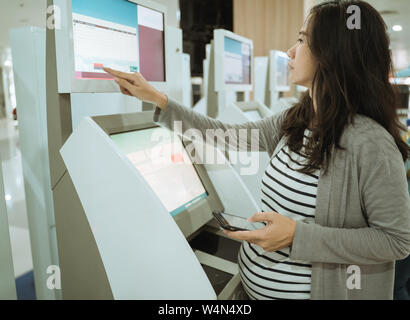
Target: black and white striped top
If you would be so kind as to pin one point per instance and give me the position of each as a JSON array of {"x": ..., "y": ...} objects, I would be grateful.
[{"x": 273, "y": 275}]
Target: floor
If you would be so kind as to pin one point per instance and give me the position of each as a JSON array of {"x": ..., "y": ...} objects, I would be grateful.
[{"x": 15, "y": 198}]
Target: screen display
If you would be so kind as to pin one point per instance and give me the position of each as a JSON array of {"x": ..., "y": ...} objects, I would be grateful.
[
  {"x": 162, "y": 160},
  {"x": 253, "y": 115},
  {"x": 282, "y": 71},
  {"x": 120, "y": 35},
  {"x": 237, "y": 62}
]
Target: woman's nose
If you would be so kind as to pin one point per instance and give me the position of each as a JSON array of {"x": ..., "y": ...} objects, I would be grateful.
[{"x": 290, "y": 52}]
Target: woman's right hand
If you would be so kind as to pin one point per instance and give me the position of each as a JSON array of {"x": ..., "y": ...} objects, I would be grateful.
[{"x": 134, "y": 84}]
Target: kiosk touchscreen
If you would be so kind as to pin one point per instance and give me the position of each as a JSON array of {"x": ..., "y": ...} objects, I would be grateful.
[
  {"x": 165, "y": 165},
  {"x": 279, "y": 72},
  {"x": 233, "y": 62},
  {"x": 127, "y": 35},
  {"x": 230, "y": 75}
]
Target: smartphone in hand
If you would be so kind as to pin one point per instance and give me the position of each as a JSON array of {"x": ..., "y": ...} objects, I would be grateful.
[{"x": 234, "y": 223}]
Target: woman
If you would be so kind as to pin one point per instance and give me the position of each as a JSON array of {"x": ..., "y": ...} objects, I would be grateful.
[{"x": 335, "y": 192}]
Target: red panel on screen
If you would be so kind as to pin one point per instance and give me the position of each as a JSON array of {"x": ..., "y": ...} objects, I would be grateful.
[
  {"x": 177, "y": 158},
  {"x": 93, "y": 76},
  {"x": 152, "y": 60}
]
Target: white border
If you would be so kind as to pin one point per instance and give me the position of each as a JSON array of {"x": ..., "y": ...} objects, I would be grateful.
[
  {"x": 65, "y": 54},
  {"x": 273, "y": 86},
  {"x": 219, "y": 49}
]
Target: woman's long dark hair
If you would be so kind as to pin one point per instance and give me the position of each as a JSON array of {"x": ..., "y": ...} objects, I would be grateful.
[{"x": 352, "y": 77}]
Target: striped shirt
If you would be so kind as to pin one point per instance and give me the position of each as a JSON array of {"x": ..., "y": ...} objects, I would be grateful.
[{"x": 273, "y": 275}]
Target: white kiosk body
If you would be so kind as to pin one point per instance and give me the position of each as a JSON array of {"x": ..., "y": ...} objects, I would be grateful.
[
  {"x": 130, "y": 214},
  {"x": 144, "y": 253}
]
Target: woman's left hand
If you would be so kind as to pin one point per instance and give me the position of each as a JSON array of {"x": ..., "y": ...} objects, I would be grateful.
[{"x": 278, "y": 233}]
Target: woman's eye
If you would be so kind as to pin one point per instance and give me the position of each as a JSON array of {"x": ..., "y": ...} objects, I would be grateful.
[{"x": 300, "y": 40}]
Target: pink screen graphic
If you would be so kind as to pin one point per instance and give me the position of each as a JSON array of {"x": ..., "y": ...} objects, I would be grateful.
[
  {"x": 94, "y": 75},
  {"x": 99, "y": 42},
  {"x": 152, "y": 57}
]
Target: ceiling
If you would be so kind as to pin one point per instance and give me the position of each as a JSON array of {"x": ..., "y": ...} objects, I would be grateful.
[{"x": 18, "y": 13}]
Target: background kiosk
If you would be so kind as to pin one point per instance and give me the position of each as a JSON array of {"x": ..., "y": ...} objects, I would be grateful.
[
  {"x": 231, "y": 68},
  {"x": 105, "y": 207},
  {"x": 201, "y": 105},
  {"x": 272, "y": 80},
  {"x": 230, "y": 71}
]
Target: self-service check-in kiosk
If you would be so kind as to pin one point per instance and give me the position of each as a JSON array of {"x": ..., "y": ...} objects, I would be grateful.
[
  {"x": 272, "y": 80},
  {"x": 133, "y": 215},
  {"x": 230, "y": 72},
  {"x": 145, "y": 201},
  {"x": 241, "y": 112}
]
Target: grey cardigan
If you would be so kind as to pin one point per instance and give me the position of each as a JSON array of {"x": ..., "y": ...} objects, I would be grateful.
[{"x": 362, "y": 211}]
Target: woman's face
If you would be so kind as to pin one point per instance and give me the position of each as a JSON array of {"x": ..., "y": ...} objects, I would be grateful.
[{"x": 302, "y": 64}]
